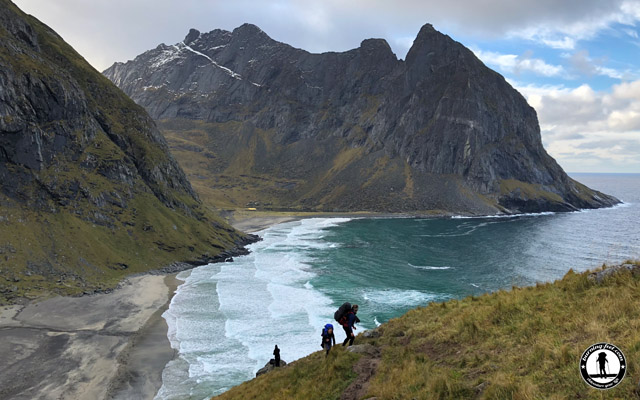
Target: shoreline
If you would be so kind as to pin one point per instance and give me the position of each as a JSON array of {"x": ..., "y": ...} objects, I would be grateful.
[
  {"x": 105, "y": 345},
  {"x": 108, "y": 345},
  {"x": 138, "y": 375},
  {"x": 252, "y": 221},
  {"x": 255, "y": 221},
  {"x": 111, "y": 345}
]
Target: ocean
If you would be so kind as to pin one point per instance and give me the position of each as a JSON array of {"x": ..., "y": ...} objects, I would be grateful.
[{"x": 226, "y": 318}]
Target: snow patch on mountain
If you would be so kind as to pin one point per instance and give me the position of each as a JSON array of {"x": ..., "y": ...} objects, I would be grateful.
[{"x": 225, "y": 69}]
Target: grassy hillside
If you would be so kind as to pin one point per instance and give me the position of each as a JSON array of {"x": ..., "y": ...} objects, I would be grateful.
[
  {"x": 88, "y": 190},
  {"x": 42, "y": 253},
  {"x": 235, "y": 165},
  {"x": 524, "y": 343}
]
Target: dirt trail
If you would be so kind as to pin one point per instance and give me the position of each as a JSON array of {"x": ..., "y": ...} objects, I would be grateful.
[{"x": 366, "y": 368}]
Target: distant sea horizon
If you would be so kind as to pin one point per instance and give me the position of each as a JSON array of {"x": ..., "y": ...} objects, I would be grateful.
[
  {"x": 610, "y": 173},
  {"x": 226, "y": 318}
]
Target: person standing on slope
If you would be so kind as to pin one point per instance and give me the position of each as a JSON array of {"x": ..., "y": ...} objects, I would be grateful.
[
  {"x": 328, "y": 337},
  {"x": 276, "y": 354},
  {"x": 349, "y": 325}
]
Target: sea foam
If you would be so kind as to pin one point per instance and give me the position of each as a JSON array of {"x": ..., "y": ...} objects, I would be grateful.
[
  {"x": 428, "y": 267},
  {"x": 225, "y": 320},
  {"x": 400, "y": 298}
]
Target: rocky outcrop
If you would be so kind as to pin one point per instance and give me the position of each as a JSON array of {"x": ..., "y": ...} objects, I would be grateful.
[
  {"x": 359, "y": 130},
  {"x": 372, "y": 333},
  {"x": 609, "y": 271},
  {"x": 88, "y": 189},
  {"x": 270, "y": 366},
  {"x": 364, "y": 349}
]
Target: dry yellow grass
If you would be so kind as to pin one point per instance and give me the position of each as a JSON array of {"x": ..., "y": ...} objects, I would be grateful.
[
  {"x": 524, "y": 343},
  {"x": 313, "y": 377}
]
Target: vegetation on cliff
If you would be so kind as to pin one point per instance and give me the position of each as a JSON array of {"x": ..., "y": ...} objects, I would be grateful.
[
  {"x": 524, "y": 343},
  {"x": 88, "y": 190}
]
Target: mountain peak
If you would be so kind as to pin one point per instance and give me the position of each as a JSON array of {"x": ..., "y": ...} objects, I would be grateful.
[
  {"x": 375, "y": 44},
  {"x": 427, "y": 29},
  {"x": 249, "y": 29},
  {"x": 441, "y": 116},
  {"x": 378, "y": 51},
  {"x": 433, "y": 48},
  {"x": 427, "y": 36},
  {"x": 191, "y": 36}
]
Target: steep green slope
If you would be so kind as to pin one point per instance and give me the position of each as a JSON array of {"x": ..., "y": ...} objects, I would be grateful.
[
  {"x": 88, "y": 189},
  {"x": 234, "y": 166},
  {"x": 520, "y": 344}
]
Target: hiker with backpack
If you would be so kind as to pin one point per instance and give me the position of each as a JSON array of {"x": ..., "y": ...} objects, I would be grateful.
[
  {"x": 346, "y": 316},
  {"x": 327, "y": 337}
]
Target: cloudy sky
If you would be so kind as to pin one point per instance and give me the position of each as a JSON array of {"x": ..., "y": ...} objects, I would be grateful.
[{"x": 576, "y": 61}]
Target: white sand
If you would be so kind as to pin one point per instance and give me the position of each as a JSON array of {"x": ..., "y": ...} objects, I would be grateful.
[
  {"x": 104, "y": 346},
  {"x": 79, "y": 347}
]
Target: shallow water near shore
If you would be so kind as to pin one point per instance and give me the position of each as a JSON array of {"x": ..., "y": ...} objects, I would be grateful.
[{"x": 226, "y": 318}]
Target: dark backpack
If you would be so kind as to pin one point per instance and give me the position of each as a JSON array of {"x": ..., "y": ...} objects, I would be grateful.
[{"x": 341, "y": 313}]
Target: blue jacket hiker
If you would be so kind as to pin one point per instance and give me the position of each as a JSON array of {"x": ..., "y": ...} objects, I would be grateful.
[
  {"x": 328, "y": 337},
  {"x": 349, "y": 325}
]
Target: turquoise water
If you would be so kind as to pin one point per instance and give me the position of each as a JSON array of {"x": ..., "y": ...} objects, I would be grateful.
[{"x": 226, "y": 318}]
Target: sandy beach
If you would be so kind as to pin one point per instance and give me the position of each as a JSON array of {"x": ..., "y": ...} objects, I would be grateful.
[
  {"x": 102, "y": 346},
  {"x": 255, "y": 221},
  {"x": 91, "y": 347},
  {"x": 258, "y": 223}
]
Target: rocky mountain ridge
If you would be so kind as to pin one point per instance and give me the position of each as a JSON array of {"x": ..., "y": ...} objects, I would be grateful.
[
  {"x": 358, "y": 130},
  {"x": 88, "y": 189}
]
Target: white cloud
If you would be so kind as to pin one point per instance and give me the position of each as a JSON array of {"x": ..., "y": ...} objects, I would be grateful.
[
  {"x": 588, "y": 130},
  {"x": 105, "y": 31},
  {"x": 563, "y": 33},
  {"x": 583, "y": 64},
  {"x": 630, "y": 12},
  {"x": 515, "y": 64},
  {"x": 625, "y": 103},
  {"x": 631, "y": 32},
  {"x": 624, "y": 120},
  {"x": 566, "y": 43},
  {"x": 627, "y": 91}
]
